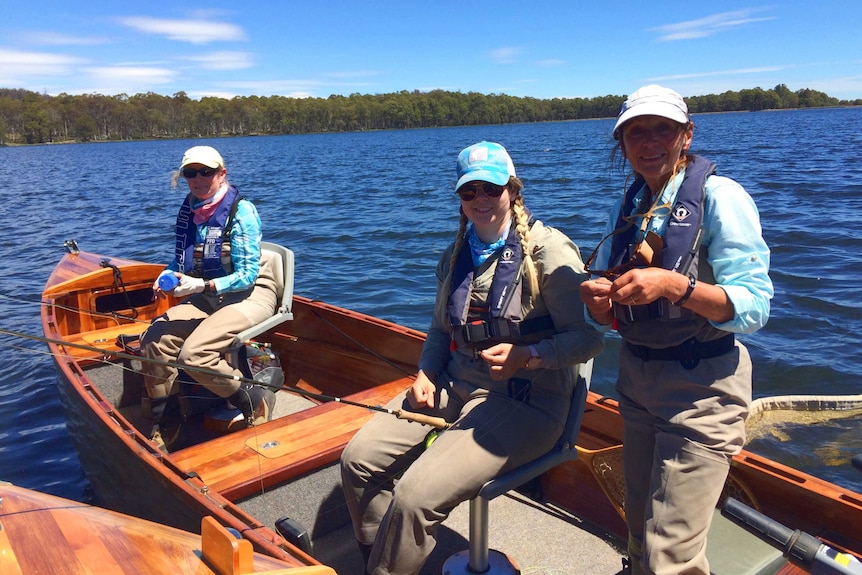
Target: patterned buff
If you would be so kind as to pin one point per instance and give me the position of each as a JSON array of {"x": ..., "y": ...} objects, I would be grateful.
[
  {"x": 480, "y": 250},
  {"x": 205, "y": 208}
]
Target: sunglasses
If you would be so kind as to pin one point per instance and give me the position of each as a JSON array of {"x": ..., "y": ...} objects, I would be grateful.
[
  {"x": 648, "y": 249},
  {"x": 191, "y": 173},
  {"x": 468, "y": 192}
]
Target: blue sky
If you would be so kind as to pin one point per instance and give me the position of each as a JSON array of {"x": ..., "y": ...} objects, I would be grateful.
[{"x": 535, "y": 48}]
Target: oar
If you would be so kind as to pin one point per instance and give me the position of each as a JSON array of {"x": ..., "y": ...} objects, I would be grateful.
[{"x": 437, "y": 422}]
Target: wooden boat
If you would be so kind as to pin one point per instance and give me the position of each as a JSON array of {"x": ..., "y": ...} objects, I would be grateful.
[
  {"x": 248, "y": 480},
  {"x": 41, "y": 533}
]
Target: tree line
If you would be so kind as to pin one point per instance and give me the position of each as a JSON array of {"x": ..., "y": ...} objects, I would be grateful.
[{"x": 28, "y": 117}]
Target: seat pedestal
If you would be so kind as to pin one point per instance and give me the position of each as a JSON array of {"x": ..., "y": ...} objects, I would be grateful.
[{"x": 498, "y": 564}]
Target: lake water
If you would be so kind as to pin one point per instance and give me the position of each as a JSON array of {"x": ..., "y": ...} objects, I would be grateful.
[{"x": 368, "y": 214}]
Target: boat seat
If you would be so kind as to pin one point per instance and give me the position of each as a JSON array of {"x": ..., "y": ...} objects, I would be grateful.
[
  {"x": 479, "y": 558},
  {"x": 282, "y": 265},
  {"x": 195, "y": 398}
]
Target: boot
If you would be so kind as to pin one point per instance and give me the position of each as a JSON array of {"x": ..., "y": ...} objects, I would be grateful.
[
  {"x": 255, "y": 402},
  {"x": 167, "y": 421}
]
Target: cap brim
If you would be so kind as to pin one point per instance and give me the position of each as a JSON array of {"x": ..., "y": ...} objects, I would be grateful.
[
  {"x": 207, "y": 163},
  {"x": 497, "y": 178},
  {"x": 651, "y": 109}
]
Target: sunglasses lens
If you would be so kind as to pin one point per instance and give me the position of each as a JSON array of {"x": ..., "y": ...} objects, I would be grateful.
[
  {"x": 468, "y": 192},
  {"x": 190, "y": 173}
]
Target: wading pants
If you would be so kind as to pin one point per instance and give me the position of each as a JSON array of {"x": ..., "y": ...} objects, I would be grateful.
[
  {"x": 681, "y": 429},
  {"x": 197, "y": 333},
  {"x": 399, "y": 514}
]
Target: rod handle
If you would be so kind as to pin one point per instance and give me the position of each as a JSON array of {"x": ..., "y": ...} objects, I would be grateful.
[{"x": 437, "y": 422}]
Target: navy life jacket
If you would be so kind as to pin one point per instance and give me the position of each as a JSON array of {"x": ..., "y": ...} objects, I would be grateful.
[
  {"x": 501, "y": 319},
  {"x": 682, "y": 238},
  {"x": 212, "y": 258}
]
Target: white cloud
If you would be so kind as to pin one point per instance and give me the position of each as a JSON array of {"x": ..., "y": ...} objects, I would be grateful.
[
  {"x": 59, "y": 39},
  {"x": 111, "y": 80},
  {"x": 225, "y": 60},
  {"x": 506, "y": 54},
  {"x": 708, "y": 26},
  {"x": 737, "y": 72},
  {"x": 551, "y": 62},
  {"x": 352, "y": 74},
  {"x": 140, "y": 73},
  {"x": 196, "y": 31},
  {"x": 17, "y": 67}
]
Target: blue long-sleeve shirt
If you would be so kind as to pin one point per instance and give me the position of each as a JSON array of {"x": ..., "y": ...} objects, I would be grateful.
[
  {"x": 735, "y": 248},
  {"x": 245, "y": 238}
]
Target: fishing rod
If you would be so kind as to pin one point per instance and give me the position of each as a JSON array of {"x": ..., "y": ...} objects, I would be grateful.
[{"x": 436, "y": 422}]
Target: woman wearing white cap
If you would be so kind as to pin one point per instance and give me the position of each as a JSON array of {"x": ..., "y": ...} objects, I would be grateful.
[
  {"x": 682, "y": 268},
  {"x": 217, "y": 261},
  {"x": 506, "y": 395}
]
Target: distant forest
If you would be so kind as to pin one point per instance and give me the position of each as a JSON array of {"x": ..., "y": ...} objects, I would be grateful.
[{"x": 32, "y": 118}]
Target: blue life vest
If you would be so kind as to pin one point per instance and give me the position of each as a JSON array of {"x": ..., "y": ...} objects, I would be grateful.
[
  {"x": 501, "y": 319},
  {"x": 210, "y": 259},
  {"x": 682, "y": 237}
]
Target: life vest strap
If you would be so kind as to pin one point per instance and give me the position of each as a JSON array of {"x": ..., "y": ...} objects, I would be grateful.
[{"x": 480, "y": 332}]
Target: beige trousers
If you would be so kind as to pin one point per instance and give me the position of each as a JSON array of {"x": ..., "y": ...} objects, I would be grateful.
[
  {"x": 197, "y": 333},
  {"x": 398, "y": 492},
  {"x": 681, "y": 429}
]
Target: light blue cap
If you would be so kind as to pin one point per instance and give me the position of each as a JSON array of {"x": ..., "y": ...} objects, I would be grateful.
[{"x": 486, "y": 162}]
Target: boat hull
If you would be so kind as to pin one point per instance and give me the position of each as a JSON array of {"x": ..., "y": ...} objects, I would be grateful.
[{"x": 338, "y": 353}]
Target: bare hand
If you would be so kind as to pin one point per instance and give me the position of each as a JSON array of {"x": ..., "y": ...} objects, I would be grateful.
[
  {"x": 504, "y": 359},
  {"x": 596, "y": 297},
  {"x": 421, "y": 393},
  {"x": 642, "y": 286}
]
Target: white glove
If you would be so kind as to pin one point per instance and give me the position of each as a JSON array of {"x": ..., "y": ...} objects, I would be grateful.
[{"x": 188, "y": 286}]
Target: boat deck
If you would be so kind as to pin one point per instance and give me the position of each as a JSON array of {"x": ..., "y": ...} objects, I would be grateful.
[{"x": 297, "y": 477}]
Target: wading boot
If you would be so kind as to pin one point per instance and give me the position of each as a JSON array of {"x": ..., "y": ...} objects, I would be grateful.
[
  {"x": 255, "y": 402},
  {"x": 167, "y": 421}
]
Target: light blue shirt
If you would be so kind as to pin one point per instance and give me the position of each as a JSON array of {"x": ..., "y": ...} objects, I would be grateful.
[
  {"x": 735, "y": 247},
  {"x": 245, "y": 238}
]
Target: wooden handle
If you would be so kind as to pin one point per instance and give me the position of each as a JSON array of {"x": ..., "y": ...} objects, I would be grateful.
[{"x": 437, "y": 422}]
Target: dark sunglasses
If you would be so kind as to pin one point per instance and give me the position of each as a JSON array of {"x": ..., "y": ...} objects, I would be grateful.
[
  {"x": 190, "y": 173},
  {"x": 646, "y": 252},
  {"x": 468, "y": 192}
]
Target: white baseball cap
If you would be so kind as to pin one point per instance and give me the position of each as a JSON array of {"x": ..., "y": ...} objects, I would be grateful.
[
  {"x": 652, "y": 100},
  {"x": 204, "y": 155}
]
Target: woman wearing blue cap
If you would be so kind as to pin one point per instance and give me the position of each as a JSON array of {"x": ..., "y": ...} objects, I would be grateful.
[
  {"x": 506, "y": 395},
  {"x": 682, "y": 268}
]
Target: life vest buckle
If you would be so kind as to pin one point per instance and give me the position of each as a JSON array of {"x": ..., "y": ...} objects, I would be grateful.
[{"x": 476, "y": 331}]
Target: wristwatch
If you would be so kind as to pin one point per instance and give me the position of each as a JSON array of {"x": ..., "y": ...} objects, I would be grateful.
[{"x": 535, "y": 361}]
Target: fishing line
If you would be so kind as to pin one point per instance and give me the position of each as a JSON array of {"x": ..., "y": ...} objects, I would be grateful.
[
  {"x": 361, "y": 345},
  {"x": 127, "y": 319},
  {"x": 398, "y": 413}
]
